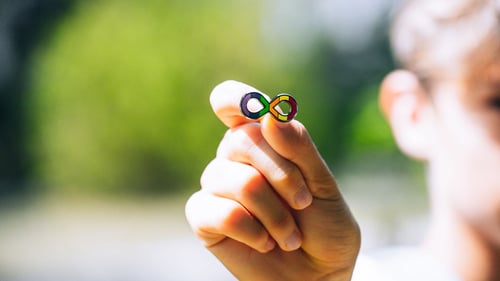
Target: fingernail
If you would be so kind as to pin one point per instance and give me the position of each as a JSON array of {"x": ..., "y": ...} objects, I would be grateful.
[
  {"x": 303, "y": 198},
  {"x": 294, "y": 241},
  {"x": 275, "y": 122},
  {"x": 280, "y": 124},
  {"x": 269, "y": 245}
]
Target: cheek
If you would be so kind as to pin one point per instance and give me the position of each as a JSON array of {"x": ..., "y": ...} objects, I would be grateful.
[
  {"x": 492, "y": 121},
  {"x": 475, "y": 194},
  {"x": 473, "y": 180},
  {"x": 467, "y": 166}
]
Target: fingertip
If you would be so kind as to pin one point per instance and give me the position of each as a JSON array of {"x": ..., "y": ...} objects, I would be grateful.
[
  {"x": 269, "y": 246},
  {"x": 303, "y": 198},
  {"x": 225, "y": 100},
  {"x": 220, "y": 92},
  {"x": 269, "y": 120},
  {"x": 190, "y": 206},
  {"x": 293, "y": 242}
]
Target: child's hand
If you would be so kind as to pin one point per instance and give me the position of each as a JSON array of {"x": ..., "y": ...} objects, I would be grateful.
[{"x": 269, "y": 208}]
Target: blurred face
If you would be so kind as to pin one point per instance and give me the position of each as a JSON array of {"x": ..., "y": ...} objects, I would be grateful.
[{"x": 464, "y": 161}]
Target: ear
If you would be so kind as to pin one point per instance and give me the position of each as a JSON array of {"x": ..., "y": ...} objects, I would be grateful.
[{"x": 406, "y": 105}]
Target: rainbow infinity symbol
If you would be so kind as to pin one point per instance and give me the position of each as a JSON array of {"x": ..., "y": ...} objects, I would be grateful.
[{"x": 269, "y": 106}]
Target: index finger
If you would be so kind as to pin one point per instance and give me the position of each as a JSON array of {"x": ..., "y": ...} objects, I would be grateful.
[{"x": 225, "y": 101}]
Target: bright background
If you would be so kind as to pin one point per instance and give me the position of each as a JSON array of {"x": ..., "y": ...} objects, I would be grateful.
[{"x": 105, "y": 125}]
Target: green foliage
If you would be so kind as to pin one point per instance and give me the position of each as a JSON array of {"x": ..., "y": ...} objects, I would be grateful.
[
  {"x": 121, "y": 91},
  {"x": 370, "y": 131}
]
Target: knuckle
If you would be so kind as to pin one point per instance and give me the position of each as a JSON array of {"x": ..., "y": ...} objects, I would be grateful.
[
  {"x": 191, "y": 210},
  {"x": 252, "y": 190},
  {"x": 249, "y": 136},
  {"x": 207, "y": 174},
  {"x": 224, "y": 145},
  {"x": 242, "y": 140},
  {"x": 287, "y": 178},
  {"x": 207, "y": 236},
  {"x": 241, "y": 225},
  {"x": 237, "y": 218},
  {"x": 214, "y": 175},
  {"x": 284, "y": 173}
]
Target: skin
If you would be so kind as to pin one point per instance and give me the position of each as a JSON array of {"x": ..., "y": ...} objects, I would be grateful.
[
  {"x": 455, "y": 129},
  {"x": 269, "y": 207},
  {"x": 252, "y": 198}
]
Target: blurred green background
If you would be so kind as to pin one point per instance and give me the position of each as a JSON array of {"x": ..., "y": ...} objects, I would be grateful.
[
  {"x": 109, "y": 99},
  {"x": 118, "y": 91}
]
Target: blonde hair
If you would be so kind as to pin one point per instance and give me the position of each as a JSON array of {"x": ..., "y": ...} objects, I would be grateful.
[{"x": 439, "y": 39}]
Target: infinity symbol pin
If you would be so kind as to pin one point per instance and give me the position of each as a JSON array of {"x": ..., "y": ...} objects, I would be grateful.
[{"x": 269, "y": 106}]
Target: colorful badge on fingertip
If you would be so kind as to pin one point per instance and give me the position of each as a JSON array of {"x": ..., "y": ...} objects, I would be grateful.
[{"x": 269, "y": 106}]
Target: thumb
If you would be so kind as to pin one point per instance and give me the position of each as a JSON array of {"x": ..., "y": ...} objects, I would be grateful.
[{"x": 292, "y": 141}]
